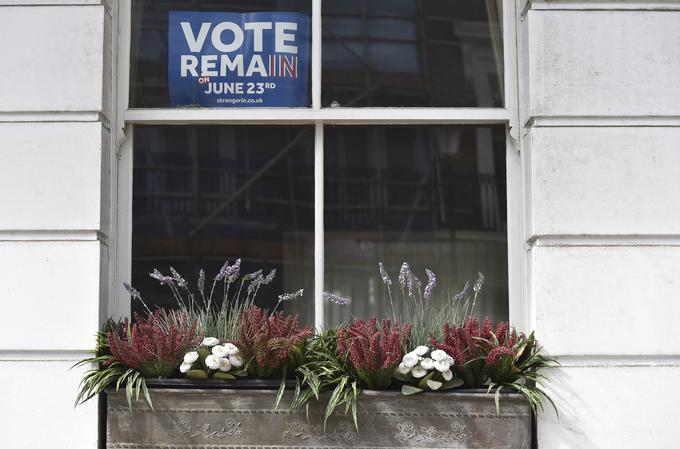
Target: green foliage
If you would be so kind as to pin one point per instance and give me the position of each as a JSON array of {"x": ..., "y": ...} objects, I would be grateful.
[
  {"x": 108, "y": 371},
  {"x": 197, "y": 374},
  {"x": 323, "y": 369},
  {"x": 521, "y": 372}
]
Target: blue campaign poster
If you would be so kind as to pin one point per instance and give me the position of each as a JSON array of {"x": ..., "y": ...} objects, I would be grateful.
[{"x": 219, "y": 59}]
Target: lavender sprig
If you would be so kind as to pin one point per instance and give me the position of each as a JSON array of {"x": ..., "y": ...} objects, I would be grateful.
[
  {"x": 413, "y": 284},
  {"x": 383, "y": 274},
  {"x": 233, "y": 272},
  {"x": 431, "y": 283},
  {"x": 461, "y": 294},
  {"x": 134, "y": 294},
  {"x": 160, "y": 277},
  {"x": 336, "y": 299},
  {"x": 250, "y": 276},
  {"x": 291, "y": 296},
  {"x": 201, "y": 281},
  {"x": 404, "y": 273},
  {"x": 223, "y": 272},
  {"x": 479, "y": 284},
  {"x": 261, "y": 280},
  {"x": 181, "y": 282},
  {"x": 287, "y": 297}
]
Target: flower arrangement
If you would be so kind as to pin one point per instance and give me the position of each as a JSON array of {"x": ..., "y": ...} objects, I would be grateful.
[
  {"x": 173, "y": 343},
  {"x": 425, "y": 343}
]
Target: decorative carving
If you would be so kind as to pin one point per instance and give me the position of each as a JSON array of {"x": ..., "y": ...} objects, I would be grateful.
[
  {"x": 429, "y": 434},
  {"x": 230, "y": 428},
  {"x": 343, "y": 432}
]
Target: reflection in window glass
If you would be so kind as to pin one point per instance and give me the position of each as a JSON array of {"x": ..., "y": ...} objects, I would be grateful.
[
  {"x": 149, "y": 45},
  {"x": 203, "y": 194},
  {"x": 430, "y": 195},
  {"x": 412, "y": 53}
]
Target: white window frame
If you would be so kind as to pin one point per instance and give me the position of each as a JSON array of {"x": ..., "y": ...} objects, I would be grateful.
[{"x": 125, "y": 118}]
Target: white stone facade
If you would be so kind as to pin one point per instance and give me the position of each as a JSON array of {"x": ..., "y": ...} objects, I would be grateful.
[{"x": 599, "y": 139}]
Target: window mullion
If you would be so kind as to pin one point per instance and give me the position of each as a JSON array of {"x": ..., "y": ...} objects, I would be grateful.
[{"x": 318, "y": 226}]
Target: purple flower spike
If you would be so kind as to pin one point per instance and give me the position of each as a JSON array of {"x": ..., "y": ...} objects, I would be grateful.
[
  {"x": 479, "y": 284},
  {"x": 431, "y": 283},
  {"x": 201, "y": 280},
  {"x": 178, "y": 278},
  {"x": 291, "y": 296},
  {"x": 270, "y": 277},
  {"x": 404, "y": 274},
  {"x": 233, "y": 271},
  {"x": 223, "y": 272},
  {"x": 157, "y": 275},
  {"x": 336, "y": 299},
  {"x": 134, "y": 294},
  {"x": 383, "y": 274}
]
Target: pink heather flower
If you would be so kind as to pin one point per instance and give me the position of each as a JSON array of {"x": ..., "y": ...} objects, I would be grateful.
[
  {"x": 373, "y": 350},
  {"x": 153, "y": 344},
  {"x": 267, "y": 340},
  {"x": 497, "y": 354}
]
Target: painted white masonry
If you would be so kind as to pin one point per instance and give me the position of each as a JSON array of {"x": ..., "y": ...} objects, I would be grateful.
[
  {"x": 600, "y": 100},
  {"x": 54, "y": 188}
]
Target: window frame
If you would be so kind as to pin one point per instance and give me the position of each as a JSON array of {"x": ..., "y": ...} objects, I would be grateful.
[{"x": 124, "y": 119}]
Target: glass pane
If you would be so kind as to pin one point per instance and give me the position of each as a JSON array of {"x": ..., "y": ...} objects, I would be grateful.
[
  {"x": 149, "y": 87},
  {"x": 446, "y": 53},
  {"x": 204, "y": 194},
  {"x": 433, "y": 196}
]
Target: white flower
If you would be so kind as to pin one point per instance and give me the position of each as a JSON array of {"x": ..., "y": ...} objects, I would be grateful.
[
  {"x": 224, "y": 365},
  {"x": 447, "y": 375},
  {"x": 219, "y": 351},
  {"x": 184, "y": 367},
  {"x": 403, "y": 369},
  {"x": 410, "y": 360},
  {"x": 190, "y": 357},
  {"x": 421, "y": 351},
  {"x": 442, "y": 365},
  {"x": 418, "y": 372},
  {"x": 427, "y": 363},
  {"x": 230, "y": 348},
  {"x": 236, "y": 360},
  {"x": 439, "y": 355},
  {"x": 212, "y": 362},
  {"x": 210, "y": 341}
]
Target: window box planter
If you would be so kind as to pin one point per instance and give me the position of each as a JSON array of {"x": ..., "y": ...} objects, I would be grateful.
[{"x": 219, "y": 415}]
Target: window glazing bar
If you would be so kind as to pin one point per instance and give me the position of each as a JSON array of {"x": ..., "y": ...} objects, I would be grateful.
[
  {"x": 318, "y": 227},
  {"x": 339, "y": 116}
]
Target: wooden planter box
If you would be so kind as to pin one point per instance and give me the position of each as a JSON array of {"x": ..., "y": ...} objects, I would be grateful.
[{"x": 245, "y": 418}]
